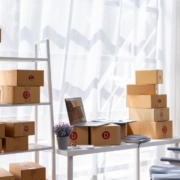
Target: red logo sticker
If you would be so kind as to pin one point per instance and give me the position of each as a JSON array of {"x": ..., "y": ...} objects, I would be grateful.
[
  {"x": 26, "y": 128},
  {"x": 105, "y": 135},
  {"x": 159, "y": 100},
  {"x": 31, "y": 77},
  {"x": 26, "y": 94},
  {"x": 161, "y": 114},
  {"x": 164, "y": 129},
  {"x": 73, "y": 136}
]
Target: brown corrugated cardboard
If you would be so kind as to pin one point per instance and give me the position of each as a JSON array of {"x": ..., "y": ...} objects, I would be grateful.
[
  {"x": 144, "y": 114},
  {"x": 149, "y": 77},
  {"x": 146, "y": 101},
  {"x": 105, "y": 135},
  {"x": 21, "y": 78},
  {"x": 11, "y": 144},
  {"x": 6, "y": 175},
  {"x": 154, "y": 130},
  {"x": 139, "y": 89},
  {"x": 80, "y": 135},
  {"x": 27, "y": 171},
  {"x": 19, "y": 128},
  {"x": 20, "y": 95},
  {"x": 2, "y": 130},
  {"x": 0, "y": 145}
]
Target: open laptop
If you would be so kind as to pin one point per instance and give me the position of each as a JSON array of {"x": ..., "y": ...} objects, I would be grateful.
[{"x": 76, "y": 114}]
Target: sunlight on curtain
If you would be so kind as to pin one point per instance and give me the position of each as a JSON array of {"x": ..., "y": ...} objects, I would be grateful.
[{"x": 96, "y": 46}]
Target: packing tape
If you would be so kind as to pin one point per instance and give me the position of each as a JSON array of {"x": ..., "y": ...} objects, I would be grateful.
[
  {"x": 159, "y": 101},
  {"x": 30, "y": 77}
]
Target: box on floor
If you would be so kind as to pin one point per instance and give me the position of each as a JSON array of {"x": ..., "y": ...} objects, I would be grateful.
[
  {"x": 27, "y": 171},
  {"x": 105, "y": 135},
  {"x": 6, "y": 175},
  {"x": 149, "y": 77},
  {"x": 21, "y": 78},
  {"x": 145, "y": 114},
  {"x": 154, "y": 130},
  {"x": 146, "y": 101},
  {"x": 19, "y": 128},
  {"x": 141, "y": 89},
  {"x": 11, "y": 144},
  {"x": 79, "y": 135},
  {"x": 19, "y": 95}
]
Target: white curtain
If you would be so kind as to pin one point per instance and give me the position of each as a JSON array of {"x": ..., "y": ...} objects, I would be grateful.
[{"x": 95, "y": 46}]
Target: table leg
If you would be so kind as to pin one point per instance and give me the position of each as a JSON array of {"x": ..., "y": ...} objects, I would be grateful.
[
  {"x": 70, "y": 168},
  {"x": 138, "y": 164},
  {"x": 176, "y": 154}
]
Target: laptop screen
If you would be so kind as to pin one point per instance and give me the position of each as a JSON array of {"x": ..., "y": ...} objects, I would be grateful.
[{"x": 75, "y": 110}]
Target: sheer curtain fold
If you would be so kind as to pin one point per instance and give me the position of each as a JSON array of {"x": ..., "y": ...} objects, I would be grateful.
[{"x": 96, "y": 46}]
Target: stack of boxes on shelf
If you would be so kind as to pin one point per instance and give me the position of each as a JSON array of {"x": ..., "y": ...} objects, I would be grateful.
[{"x": 148, "y": 107}]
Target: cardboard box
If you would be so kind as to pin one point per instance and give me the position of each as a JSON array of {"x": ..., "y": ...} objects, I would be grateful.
[
  {"x": 0, "y": 145},
  {"x": 80, "y": 135},
  {"x": 149, "y": 77},
  {"x": 28, "y": 171},
  {"x": 11, "y": 144},
  {"x": 2, "y": 130},
  {"x": 141, "y": 114},
  {"x": 155, "y": 130},
  {"x": 21, "y": 78},
  {"x": 138, "y": 89},
  {"x": 20, "y": 95},
  {"x": 19, "y": 128},
  {"x": 6, "y": 175},
  {"x": 105, "y": 135},
  {"x": 146, "y": 101}
]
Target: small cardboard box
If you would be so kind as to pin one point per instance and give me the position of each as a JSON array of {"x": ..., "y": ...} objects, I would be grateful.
[
  {"x": 21, "y": 78},
  {"x": 105, "y": 135},
  {"x": 142, "y": 114},
  {"x": 139, "y": 89},
  {"x": 11, "y": 144},
  {"x": 19, "y": 128},
  {"x": 27, "y": 171},
  {"x": 2, "y": 130},
  {"x": 79, "y": 135},
  {"x": 146, "y": 101},
  {"x": 20, "y": 95},
  {"x": 149, "y": 77},
  {"x": 154, "y": 130},
  {"x": 6, "y": 175}
]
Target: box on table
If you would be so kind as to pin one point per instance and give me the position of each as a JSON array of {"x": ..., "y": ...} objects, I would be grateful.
[
  {"x": 139, "y": 89},
  {"x": 19, "y": 128},
  {"x": 105, "y": 135},
  {"x": 149, "y": 77},
  {"x": 144, "y": 114},
  {"x": 19, "y": 95},
  {"x": 154, "y": 130},
  {"x": 6, "y": 175},
  {"x": 21, "y": 78},
  {"x": 79, "y": 135},
  {"x": 2, "y": 130},
  {"x": 146, "y": 101},
  {"x": 11, "y": 144},
  {"x": 27, "y": 171}
]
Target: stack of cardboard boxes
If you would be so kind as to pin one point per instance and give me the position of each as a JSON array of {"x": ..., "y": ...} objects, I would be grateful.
[{"x": 148, "y": 107}]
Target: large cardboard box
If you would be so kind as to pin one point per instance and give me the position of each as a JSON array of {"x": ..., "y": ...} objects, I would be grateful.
[
  {"x": 6, "y": 175},
  {"x": 27, "y": 171},
  {"x": 139, "y": 89},
  {"x": 105, "y": 135},
  {"x": 19, "y": 95},
  {"x": 79, "y": 135},
  {"x": 21, "y": 78},
  {"x": 11, "y": 144},
  {"x": 155, "y": 130},
  {"x": 2, "y": 130},
  {"x": 149, "y": 77},
  {"x": 19, "y": 128},
  {"x": 146, "y": 101},
  {"x": 143, "y": 114}
]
